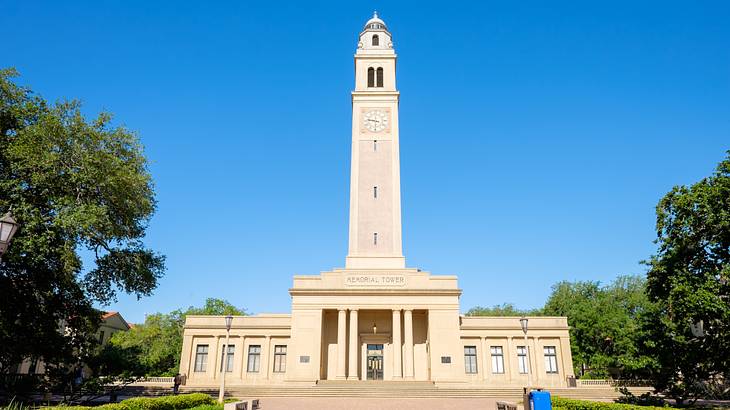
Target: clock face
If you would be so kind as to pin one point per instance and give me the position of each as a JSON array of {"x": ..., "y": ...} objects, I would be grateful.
[{"x": 375, "y": 120}]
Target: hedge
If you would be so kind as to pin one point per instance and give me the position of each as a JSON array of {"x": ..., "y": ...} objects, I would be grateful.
[
  {"x": 179, "y": 402},
  {"x": 560, "y": 403}
]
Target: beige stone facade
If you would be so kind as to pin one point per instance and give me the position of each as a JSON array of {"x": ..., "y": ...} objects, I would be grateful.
[{"x": 375, "y": 319}]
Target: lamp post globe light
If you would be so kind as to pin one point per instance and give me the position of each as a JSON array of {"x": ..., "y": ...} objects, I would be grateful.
[
  {"x": 224, "y": 362},
  {"x": 523, "y": 325},
  {"x": 8, "y": 227}
]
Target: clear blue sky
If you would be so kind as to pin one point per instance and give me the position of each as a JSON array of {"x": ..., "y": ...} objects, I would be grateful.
[{"x": 536, "y": 137}]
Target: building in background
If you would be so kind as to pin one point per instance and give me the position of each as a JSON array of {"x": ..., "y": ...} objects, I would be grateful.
[
  {"x": 111, "y": 322},
  {"x": 376, "y": 319}
]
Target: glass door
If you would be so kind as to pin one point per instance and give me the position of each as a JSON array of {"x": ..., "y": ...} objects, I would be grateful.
[{"x": 375, "y": 362}]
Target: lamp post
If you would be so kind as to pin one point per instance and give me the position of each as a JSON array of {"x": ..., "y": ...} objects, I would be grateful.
[
  {"x": 224, "y": 362},
  {"x": 8, "y": 227},
  {"x": 523, "y": 324}
]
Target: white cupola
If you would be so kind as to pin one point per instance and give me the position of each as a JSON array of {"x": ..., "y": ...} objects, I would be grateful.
[{"x": 375, "y": 35}]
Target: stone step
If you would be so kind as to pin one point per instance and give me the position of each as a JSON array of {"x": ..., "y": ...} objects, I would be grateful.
[{"x": 392, "y": 390}]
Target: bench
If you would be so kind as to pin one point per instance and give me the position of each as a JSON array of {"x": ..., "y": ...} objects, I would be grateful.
[
  {"x": 245, "y": 404},
  {"x": 504, "y": 405}
]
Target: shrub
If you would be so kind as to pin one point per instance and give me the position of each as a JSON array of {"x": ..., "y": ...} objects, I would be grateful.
[
  {"x": 560, "y": 403},
  {"x": 646, "y": 399},
  {"x": 180, "y": 402}
]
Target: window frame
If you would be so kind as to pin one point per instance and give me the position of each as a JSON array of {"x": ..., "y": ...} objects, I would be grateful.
[
  {"x": 523, "y": 360},
  {"x": 375, "y": 41},
  {"x": 379, "y": 77},
  {"x": 201, "y": 358},
  {"x": 227, "y": 356},
  {"x": 471, "y": 363},
  {"x": 279, "y": 359},
  {"x": 254, "y": 352},
  {"x": 371, "y": 77},
  {"x": 550, "y": 354},
  {"x": 497, "y": 355}
]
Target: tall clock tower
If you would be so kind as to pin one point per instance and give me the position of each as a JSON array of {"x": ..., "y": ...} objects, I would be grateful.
[{"x": 375, "y": 210}]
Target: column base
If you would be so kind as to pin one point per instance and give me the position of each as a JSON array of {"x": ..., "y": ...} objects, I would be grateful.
[
  {"x": 340, "y": 378},
  {"x": 353, "y": 378}
]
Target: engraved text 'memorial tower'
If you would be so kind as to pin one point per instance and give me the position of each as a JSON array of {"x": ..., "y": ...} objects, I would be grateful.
[{"x": 375, "y": 210}]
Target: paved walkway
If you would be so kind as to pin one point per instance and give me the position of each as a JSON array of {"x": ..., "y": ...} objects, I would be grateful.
[{"x": 332, "y": 403}]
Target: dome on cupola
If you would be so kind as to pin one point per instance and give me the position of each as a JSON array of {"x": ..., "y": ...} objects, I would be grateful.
[{"x": 375, "y": 23}]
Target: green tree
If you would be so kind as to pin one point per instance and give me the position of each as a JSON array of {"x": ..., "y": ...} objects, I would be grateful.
[
  {"x": 689, "y": 280},
  {"x": 75, "y": 186},
  {"x": 157, "y": 343},
  {"x": 505, "y": 309},
  {"x": 605, "y": 325}
]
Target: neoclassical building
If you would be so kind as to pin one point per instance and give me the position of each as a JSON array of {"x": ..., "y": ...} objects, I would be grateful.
[{"x": 375, "y": 319}]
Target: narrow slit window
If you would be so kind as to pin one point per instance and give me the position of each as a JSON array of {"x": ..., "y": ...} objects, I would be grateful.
[
  {"x": 375, "y": 192},
  {"x": 380, "y": 76},
  {"x": 375, "y": 238},
  {"x": 371, "y": 77},
  {"x": 375, "y": 145}
]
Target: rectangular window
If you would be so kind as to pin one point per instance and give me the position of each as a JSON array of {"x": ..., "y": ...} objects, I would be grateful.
[
  {"x": 375, "y": 192},
  {"x": 522, "y": 362},
  {"x": 497, "y": 360},
  {"x": 551, "y": 359},
  {"x": 201, "y": 358},
  {"x": 280, "y": 359},
  {"x": 101, "y": 337},
  {"x": 470, "y": 359},
  {"x": 227, "y": 358},
  {"x": 254, "y": 358}
]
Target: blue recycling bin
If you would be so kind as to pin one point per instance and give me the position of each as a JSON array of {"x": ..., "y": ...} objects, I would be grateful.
[{"x": 540, "y": 400}]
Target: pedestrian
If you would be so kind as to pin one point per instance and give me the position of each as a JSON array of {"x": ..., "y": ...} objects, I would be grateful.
[{"x": 177, "y": 381}]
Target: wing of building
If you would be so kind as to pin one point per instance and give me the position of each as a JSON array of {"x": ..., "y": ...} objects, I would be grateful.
[{"x": 375, "y": 319}]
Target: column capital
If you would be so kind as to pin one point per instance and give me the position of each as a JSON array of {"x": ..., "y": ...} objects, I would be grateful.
[{"x": 408, "y": 310}]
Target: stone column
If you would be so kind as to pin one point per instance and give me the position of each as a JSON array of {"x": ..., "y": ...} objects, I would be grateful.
[
  {"x": 187, "y": 354},
  {"x": 341, "y": 343},
  {"x": 397, "y": 347},
  {"x": 266, "y": 358},
  {"x": 354, "y": 342},
  {"x": 408, "y": 329},
  {"x": 486, "y": 362}
]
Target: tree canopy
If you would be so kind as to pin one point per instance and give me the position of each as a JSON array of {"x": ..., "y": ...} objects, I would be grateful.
[
  {"x": 689, "y": 280},
  {"x": 153, "y": 348},
  {"x": 605, "y": 325},
  {"x": 76, "y": 186},
  {"x": 505, "y": 309}
]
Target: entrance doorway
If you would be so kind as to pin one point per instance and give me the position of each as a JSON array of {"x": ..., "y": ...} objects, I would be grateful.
[{"x": 375, "y": 362}]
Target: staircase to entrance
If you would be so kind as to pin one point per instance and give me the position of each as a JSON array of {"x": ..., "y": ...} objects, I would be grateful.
[{"x": 408, "y": 389}]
